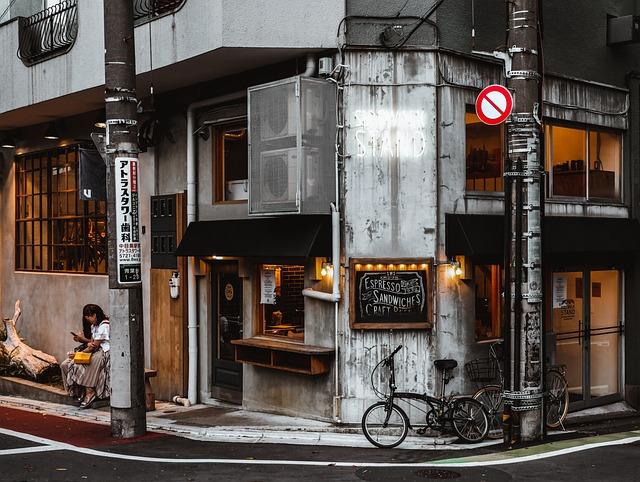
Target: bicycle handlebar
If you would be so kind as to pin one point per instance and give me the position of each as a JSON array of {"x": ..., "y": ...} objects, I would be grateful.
[{"x": 398, "y": 348}]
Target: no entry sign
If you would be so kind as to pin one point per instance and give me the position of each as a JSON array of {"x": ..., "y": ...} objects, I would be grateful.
[{"x": 494, "y": 104}]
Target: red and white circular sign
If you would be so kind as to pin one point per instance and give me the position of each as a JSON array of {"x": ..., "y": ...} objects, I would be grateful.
[{"x": 494, "y": 104}]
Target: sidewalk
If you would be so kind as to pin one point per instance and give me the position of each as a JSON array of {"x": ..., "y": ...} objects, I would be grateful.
[{"x": 227, "y": 423}]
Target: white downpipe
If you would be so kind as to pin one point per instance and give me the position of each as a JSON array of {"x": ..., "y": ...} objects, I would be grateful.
[
  {"x": 192, "y": 190},
  {"x": 311, "y": 66}
]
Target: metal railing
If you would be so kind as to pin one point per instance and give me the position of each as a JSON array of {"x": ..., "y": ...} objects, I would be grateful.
[
  {"x": 147, "y": 10},
  {"x": 48, "y": 33}
]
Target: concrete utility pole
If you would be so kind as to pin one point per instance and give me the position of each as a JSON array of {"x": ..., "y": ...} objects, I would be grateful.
[
  {"x": 128, "y": 416},
  {"x": 524, "y": 209}
]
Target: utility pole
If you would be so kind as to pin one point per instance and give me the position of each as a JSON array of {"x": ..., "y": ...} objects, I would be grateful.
[
  {"x": 128, "y": 416},
  {"x": 524, "y": 210}
]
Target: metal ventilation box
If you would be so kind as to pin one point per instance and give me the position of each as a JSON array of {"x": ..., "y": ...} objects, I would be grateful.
[
  {"x": 292, "y": 134},
  {"x": 623, "y": 30}
]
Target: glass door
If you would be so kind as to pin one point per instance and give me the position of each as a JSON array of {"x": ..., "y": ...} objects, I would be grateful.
[
  {"x": 568, "y": 326},
  {"x": 227, "y": 326},
  {"x": 604, "y": 333},
  {"x": 587, "y": 327}
]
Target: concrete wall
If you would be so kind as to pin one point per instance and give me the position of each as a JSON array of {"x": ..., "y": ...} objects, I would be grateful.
[
  {"x": 390, "y": 205},
  {"x": 199, "y": 27},
  {"x": 52, "y": 302}
]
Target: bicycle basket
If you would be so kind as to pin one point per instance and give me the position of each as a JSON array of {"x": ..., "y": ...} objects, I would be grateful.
[{"x": 482, "y": 370}]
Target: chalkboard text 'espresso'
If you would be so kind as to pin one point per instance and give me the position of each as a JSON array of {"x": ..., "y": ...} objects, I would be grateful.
[{"x": 391, "y": 296}]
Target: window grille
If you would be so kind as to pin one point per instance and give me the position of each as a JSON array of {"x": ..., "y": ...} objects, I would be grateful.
[{"x": 55, "y": 230}]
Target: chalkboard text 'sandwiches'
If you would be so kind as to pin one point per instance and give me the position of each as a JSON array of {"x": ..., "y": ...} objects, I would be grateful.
[{"x": 390, "y": 294}]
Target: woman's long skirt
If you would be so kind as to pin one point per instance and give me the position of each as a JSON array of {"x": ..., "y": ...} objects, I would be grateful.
[{"x": 94, "y": 375}]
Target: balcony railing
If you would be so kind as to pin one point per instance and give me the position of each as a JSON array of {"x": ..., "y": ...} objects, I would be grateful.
[
  {"x": 146, "y": 10},
  {"x": 48, "y": 33}
]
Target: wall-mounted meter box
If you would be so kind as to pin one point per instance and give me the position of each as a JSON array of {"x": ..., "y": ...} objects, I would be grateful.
[
  {"x": 292, "y": 133},
  {"x": 623, "y": 30}
]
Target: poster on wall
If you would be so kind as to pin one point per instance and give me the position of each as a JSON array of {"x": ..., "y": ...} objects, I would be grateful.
[
  {"x": 559, "y": 290},
  {"x": 128, "y": 265},
  {"x": 390, "y": 294},
  {"x": 267, "y": 286}
]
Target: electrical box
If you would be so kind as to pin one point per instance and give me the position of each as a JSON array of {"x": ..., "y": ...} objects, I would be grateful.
[
  {"x": 623, "y": 30},
  {"x": 292, "y": 130}
]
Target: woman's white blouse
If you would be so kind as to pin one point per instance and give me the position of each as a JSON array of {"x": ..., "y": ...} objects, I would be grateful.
[{"x": 101, "y": 332}]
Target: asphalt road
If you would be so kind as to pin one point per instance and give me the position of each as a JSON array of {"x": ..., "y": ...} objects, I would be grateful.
[{"x": 35, "y": 446}]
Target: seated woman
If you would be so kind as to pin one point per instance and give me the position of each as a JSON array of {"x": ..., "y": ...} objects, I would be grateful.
[{"x": 91, "y": 381}]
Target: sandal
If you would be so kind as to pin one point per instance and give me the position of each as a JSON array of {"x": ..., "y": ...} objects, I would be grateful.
[{"x": 88, "y": 403}]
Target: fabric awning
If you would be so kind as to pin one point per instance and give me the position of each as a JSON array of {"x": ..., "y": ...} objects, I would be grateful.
[
  {"x": 295, "y": 236},
  {"x": 482, "y": 236}
]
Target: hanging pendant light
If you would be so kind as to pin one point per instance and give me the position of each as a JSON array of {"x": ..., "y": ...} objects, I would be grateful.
[
  {"x": 52, "y": 132},
  {"x": 8, "y": 141}
]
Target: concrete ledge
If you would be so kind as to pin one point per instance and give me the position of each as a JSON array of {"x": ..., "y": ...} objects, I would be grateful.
[{"x": 20, "y": 387}]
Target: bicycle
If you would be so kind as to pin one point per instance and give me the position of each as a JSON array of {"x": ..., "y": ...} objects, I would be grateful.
[
  {"x": 386, "y": 425},
  {"x": 485, "y": 370}
]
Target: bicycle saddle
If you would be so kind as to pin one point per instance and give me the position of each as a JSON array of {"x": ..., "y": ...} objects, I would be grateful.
[{"x": 445, "y": 364}]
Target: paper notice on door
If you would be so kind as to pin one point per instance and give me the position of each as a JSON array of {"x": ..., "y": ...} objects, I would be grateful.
[
  {"x": 559, "y": 291},
  {"x": 268, "y": 287}
]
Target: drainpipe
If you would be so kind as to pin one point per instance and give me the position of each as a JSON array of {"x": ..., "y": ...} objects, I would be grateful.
[
  {"x": 334, "y": 296},
  {"x": 192, "y": 299},
  {"x": 311, "y": 66}
]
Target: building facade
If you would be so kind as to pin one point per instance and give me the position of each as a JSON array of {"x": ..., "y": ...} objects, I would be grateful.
[{"x": 341, "y": 195}]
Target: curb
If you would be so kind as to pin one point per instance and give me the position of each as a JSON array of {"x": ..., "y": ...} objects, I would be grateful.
[{"x": 340, "y": 437}]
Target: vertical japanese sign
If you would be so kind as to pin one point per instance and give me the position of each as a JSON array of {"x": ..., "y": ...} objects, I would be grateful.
[{"x": 127, "y": 221}]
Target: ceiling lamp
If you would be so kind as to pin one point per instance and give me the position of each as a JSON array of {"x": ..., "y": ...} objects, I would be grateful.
[
  {"x": 8, "y": 142},
  {"x": 52, "y": 132},
  {"x": 100, "y": 121}
]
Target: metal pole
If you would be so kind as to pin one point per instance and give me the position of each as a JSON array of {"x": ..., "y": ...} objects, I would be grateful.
[
  {"x": 524, "y": 387},
  {"x": 128, "y": 416}
]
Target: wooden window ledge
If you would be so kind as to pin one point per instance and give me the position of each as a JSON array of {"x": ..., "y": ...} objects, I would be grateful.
[{"x": 285, "y": 356}]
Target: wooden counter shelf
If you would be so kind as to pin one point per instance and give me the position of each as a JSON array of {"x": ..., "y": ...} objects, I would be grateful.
[{"x": 285, "y": 356}]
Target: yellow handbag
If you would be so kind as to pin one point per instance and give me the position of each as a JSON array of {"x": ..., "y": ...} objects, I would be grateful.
[{"x": 82, "y": 358}]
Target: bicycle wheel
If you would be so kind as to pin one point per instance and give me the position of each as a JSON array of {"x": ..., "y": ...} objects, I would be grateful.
[
  {"x": 385, "y": 427},
  {"x": 557, "y": 398},
  {"x": 490, "y": 397},
  {"x": 469, "y": 420}
]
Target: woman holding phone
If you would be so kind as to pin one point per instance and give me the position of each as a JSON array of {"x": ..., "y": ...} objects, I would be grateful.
[{"x": 89, "y": 382}]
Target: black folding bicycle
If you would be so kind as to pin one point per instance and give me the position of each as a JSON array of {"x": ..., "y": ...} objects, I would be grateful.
[{"x": 386, "y": 425}]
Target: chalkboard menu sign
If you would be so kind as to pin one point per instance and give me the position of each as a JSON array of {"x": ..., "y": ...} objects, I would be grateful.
[{"x": 390, "y": 294}]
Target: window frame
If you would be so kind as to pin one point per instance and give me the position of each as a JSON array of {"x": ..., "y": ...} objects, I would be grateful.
[
  {"x": 259, "y": 308},
  {"x": 84, "y": 213},
  {"x": 470, "y": 109},
  {"x": 500, "y": 303},
  {"x": 219, "y": 184},
  {"x": 588, "y": 129}
]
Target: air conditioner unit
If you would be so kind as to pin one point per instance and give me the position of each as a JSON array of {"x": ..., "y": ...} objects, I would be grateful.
[
  {"x": 279, "y": 116},
  {"x": 279, "y": 176},
  {"x": 292, "y": 128}
]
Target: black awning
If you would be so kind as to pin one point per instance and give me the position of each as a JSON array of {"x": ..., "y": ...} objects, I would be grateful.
[
  {"x": 283, "y": 237},
  {"x": 482, "y": 236}
]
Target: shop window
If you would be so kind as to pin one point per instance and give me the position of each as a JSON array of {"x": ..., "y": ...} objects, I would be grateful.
[
  {"x": 488, "y": 301},
  {"x": 484, "y": 146},
  {"x": 583, "y": 162},
  {"x": 55, "y": 230},
  {"x": 231, "y": 163},
  {"x": 282, "y": 303}
]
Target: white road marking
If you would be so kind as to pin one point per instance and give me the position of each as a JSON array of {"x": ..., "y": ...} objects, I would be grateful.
[
  {"x": 507, "y": 460},
  {"x": 30, "y": 450}
]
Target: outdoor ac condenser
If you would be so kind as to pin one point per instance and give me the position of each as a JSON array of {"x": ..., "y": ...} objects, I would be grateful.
[{"x": 292, "y": 128}]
